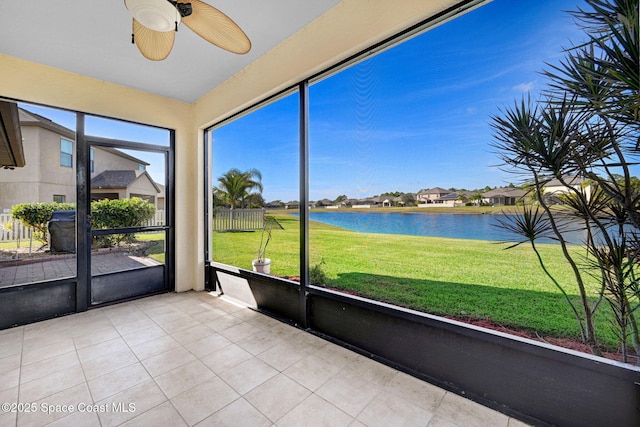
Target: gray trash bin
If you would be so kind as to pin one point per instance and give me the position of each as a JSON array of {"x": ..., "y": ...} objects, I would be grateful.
[{"x": 62, "y": 231}]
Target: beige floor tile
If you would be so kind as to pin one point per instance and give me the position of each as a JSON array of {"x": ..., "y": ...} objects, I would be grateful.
[
  {"x": 108, "y": 363},
  {"x": 95, "y": 337},
  {"x": 8, "y": 419},
  {"x": 223, "y": 322},
  {"x": 260, "y": 342},
  {"x": 248, "y": 375},
  {"x": 416, "y": 391},
  {"x": 438, "y": 421},
  {"x": 467, "y": 413},
  {"x": 184, "y": 378},
  {"x": 370, "y": 370},
  {"x": 199, "y": 402},
  {"x": 282, "y": 356},
  {"x": 313, "y": 412},
  {"x": 117, "y": 381},
  {"x": 239, "y": 332},
  {"x": 51, "y": 384},
  {"x": 179, "y": 325},
  {"x": 226, "y": 358},
  {"x": 351, "y": 395},
  {"x": 195, "y": 333},
  {"x": 11, "y": 344},
  {"x": 312, "y": 372},
  {"x": 164, "y": 415},
  {"x": 137, "y": 326},
  {"x": 9, "y": 379},
  {"x": 238, "y": 413},
  {"x": 48, "y": 366},
  {"x": 516, "y": 423},
  {"x": 56, "y": 406},
  {"x": 209, "y": 315},
  {"x": 167, "y": 361},
  {"x": 9, "y": 363},
  {"x": 84, "y": 419},
  {"x": 388, "y": 410},
  {"x": 144, "y": 335},
  {"x": 46, "y": 351},
  {"x": 277, "y": 396},
  {"x": 154, "y": 347},
  {"x": 131, "y": 403},
  {"x": 102, "y": 349},
  {"x": 205, "y": 346}
]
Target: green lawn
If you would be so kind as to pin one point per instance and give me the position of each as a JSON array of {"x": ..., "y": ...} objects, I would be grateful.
[{"x": 435, "y": 275}]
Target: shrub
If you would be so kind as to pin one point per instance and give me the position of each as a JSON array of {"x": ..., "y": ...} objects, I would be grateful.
[
  {"x": 37, "y": 215},
  {"x": 317, "y": 276},
  {"x": 119, "y": 213}
]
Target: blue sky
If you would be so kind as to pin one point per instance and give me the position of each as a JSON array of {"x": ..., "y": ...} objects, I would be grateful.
[{"x": 415, "y": 116}]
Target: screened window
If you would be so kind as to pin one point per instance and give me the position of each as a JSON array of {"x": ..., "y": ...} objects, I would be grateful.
[
  {"x": 59, "y": 198},
  {"x": 66, "y": 153}
]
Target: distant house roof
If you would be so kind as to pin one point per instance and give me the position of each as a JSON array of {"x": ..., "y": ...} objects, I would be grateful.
[
  {"x": 124, "y": 155},
  {"x": 571, "y": 180},
  {"x": 27, "y": 118},
  {"x": 119, "y": 179},
  {"x": 435, "y": 190},
  {"x": 505, "y": 192}
]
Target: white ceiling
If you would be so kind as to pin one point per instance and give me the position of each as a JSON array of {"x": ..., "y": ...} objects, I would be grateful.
[{"x": 93, "y": 38}]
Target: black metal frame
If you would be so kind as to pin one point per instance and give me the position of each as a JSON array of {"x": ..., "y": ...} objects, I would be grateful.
[
  {"x": 539, "y": 384},
  {"x": 32, "y": 302},
  {"x": 119, "y": 285}
]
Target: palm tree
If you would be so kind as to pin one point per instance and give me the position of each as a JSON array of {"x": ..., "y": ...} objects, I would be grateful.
[{"x": 236, "y": 186}]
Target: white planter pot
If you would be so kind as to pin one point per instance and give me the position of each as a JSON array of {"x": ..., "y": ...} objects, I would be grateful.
[{"x": 262, "y": 267}]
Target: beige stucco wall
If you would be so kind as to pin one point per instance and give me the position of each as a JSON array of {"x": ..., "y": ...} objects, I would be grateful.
[
  {"x": 42, "y": 165},
  {"x": 28, "y": 81},
  {"x": 349, "y": 27},
  {"x": 104, "y": 160}
]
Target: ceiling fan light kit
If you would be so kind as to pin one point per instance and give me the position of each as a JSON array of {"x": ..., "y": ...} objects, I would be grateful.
[
  {"x": 157, "y": 15},
  {"x": 155, "y": 21}
]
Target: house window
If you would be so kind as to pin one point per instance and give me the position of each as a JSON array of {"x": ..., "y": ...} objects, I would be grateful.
[
  {"x": 91, "y": 161},
  {"x": 141, "y": 167},
  {"x": 59, "y": 198},
  {"x": 66, "y": 153}
]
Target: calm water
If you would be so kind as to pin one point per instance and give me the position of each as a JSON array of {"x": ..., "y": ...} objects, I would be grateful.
[{"x": 457, "y": 226}]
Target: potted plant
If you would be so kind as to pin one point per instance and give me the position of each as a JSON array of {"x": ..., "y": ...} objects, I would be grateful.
[{"x": 262, "y": 264}]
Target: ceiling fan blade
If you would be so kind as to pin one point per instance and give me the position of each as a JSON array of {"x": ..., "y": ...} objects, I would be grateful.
[
  {"x": 153, "y": 45},
  {"x": 216, "y": 27}
]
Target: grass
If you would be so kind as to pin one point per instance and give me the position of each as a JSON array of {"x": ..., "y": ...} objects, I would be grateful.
[{"x": 469, "y": 278}]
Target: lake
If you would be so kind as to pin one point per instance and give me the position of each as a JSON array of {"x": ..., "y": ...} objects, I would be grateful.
[{"x": 457, "y": 226}]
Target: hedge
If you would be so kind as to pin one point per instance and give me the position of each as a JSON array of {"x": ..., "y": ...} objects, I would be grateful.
[{"x": 105, "y": 213}]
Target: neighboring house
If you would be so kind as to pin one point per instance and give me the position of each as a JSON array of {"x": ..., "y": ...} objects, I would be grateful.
[
  {"x": 293, "y": 204},
  {"x": 49, "y": 173},
  {"x": 429, "y": 196},
  {"x": 554, "y": 188},
  {"x": 504, "y": 196},
  {"x": 123, "y": 184}
]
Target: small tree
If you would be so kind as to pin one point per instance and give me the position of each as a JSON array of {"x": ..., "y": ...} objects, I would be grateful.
[
  {"x": 235, "y": 186},
  {"x": 586, "y": 129},
  {"x": 37, "y": 215}
]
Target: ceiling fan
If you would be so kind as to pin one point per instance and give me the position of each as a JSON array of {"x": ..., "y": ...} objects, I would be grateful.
[{"x": 155, "y": 23}]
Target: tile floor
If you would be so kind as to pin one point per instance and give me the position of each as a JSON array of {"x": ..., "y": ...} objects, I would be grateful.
[{"x": 196, "y": 359}]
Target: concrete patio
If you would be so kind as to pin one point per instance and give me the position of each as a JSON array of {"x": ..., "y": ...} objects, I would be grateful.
[
  {"x": 59, "y": 266},
  {"x": 197, "y": 359}
]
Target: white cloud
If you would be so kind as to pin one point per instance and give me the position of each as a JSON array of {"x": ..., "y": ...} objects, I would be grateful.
[{"x": 524, "y": 87}]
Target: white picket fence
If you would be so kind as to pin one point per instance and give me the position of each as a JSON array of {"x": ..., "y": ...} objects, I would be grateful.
[
  {"x": 237, "y": 219},
  {"x": 12, "y": 229}
]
